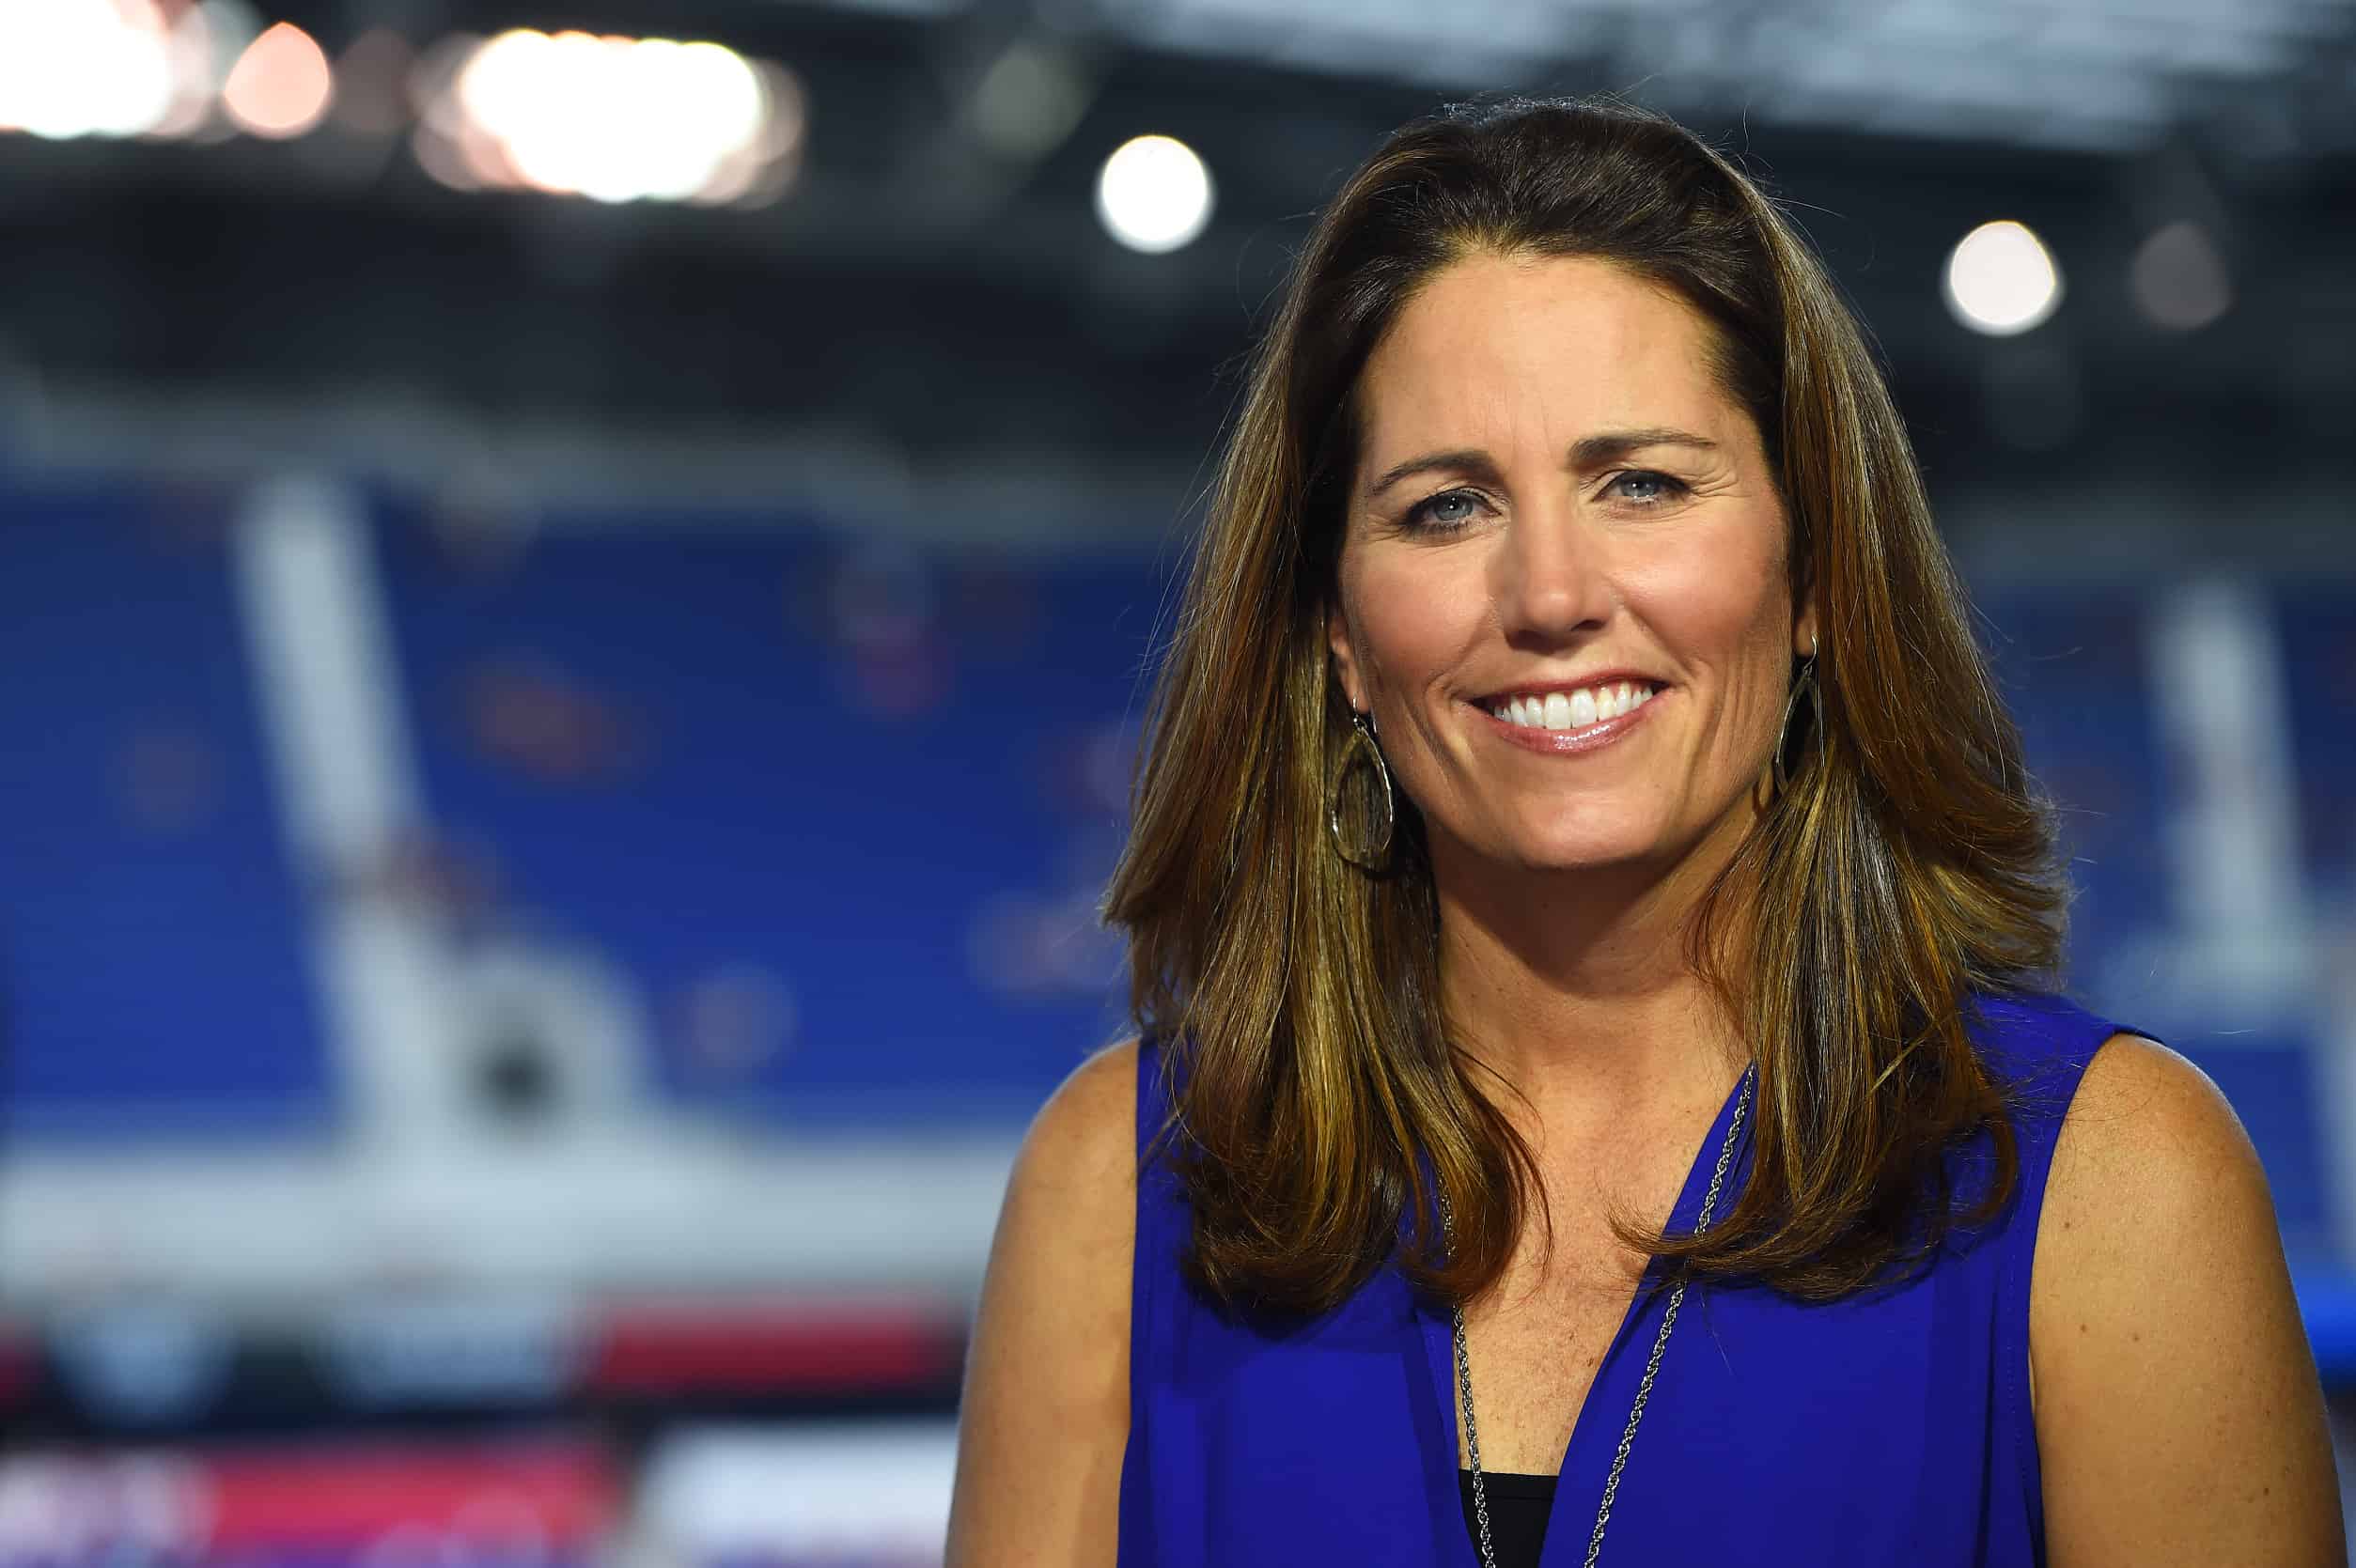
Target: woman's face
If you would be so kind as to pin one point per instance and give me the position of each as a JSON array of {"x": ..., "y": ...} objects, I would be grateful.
[{"x": 1557, "y": 511}]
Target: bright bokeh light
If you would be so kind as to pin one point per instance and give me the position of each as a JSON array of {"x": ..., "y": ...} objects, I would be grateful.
[
  {"x": 2180, "y": 278},
  {"x": 1154, "y": 195},
  {"x": 189, "y": 49},
  {"x": 433, "y": 82},
  {"x": 765, "y": 170},
  {"x": 281, "y": 85},
  {"x": 611, "y": 118},
  {"x": 2001, "y": 279},
  {"x": 84, "y": 67}
]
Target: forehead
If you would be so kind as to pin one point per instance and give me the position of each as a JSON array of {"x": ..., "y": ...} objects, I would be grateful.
[{"x": 1499, "y": 350}]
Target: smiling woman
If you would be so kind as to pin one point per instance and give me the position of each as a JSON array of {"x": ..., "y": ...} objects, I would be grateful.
[
  {"x": 1584, "y": 882},
  {"x": 1615, "y": 526}
]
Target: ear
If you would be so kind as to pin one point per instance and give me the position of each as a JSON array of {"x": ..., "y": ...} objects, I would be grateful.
[
  {"x": 1805, "y": 642},
  {"x": 1345, "y": 657}
]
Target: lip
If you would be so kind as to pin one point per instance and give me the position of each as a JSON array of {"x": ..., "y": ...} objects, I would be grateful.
[
  {"x": 1567, "y": 742},
  {"x": 1585, "y": 682}
]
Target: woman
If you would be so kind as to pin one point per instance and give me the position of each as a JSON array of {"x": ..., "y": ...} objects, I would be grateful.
[{"x": 1592, "y": 930}]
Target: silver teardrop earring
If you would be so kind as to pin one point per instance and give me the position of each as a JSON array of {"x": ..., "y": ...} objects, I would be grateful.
[
  {"x": 1806, "y": 680},
  {"x": 1368, "y": 850}
]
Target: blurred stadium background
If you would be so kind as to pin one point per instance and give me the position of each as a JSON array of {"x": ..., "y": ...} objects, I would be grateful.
[{"x": 575, "y": 614}]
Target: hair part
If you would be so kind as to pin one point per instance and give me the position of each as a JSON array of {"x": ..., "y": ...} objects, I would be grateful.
[{"x": 1318, "y": 1094}]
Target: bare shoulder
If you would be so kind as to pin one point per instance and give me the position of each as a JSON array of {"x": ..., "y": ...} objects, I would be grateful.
[
  {"x": 1089, "y": 1124},
  {"x": 2141, "y": 1100},
  {"x": 1044, "y": 1420},
  {"x": 2178, "y": 1413},
  {"x": 1077, "y": 1169}
]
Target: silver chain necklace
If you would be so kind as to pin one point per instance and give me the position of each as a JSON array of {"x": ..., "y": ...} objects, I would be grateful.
[{"x": 1644, "y": 1390}]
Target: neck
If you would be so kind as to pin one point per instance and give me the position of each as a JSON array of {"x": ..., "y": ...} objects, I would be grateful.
[{"x": 1580, "y": 989}]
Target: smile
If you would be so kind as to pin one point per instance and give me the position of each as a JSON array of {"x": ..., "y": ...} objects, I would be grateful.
[
  {"x": 1571, "y": 710},
  {"x": 1565, "y": 720}
]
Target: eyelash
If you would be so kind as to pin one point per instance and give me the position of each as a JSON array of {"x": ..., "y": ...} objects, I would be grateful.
[{"x": 1419, "y": 517}]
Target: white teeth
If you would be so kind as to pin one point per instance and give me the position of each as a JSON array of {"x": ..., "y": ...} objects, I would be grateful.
[{"x": 1575, "y": 710}]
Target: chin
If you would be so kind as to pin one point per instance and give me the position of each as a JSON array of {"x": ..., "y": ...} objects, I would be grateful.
[
  {"x": 1569, "y": 866},
  {"x": 1559, "y": 842},
  {"x": 1585, "y": 852}
]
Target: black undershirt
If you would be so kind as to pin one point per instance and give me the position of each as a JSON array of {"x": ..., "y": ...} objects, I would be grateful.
[{"x": 1518, "y": 1506}]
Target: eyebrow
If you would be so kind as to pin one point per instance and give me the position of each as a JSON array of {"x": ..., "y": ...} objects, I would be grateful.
[{"x": 1608, "y": 446}]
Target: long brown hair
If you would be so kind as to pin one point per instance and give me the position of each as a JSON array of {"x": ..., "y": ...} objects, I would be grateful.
[{"x": 1908, "y": 865}]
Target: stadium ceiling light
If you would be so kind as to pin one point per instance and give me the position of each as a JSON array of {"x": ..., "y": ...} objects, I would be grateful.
[
  {"x": 281, "y": 87},
  {"x": 1154, "y": 195},
  {"x": 2000, "y": 280},
  {"x": 615, "y": 119},
  {"x": 84, "y": 67}
]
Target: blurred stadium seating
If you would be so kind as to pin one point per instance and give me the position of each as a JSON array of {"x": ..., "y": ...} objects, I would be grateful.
[{"x": 140, "y": 828}]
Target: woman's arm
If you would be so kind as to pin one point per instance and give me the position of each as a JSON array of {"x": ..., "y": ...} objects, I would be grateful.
[
  {"x": 1045, "y": 1416},
  {"x": 2178, "y": 1414}
]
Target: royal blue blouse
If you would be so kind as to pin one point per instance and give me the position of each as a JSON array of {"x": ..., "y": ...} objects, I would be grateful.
[{"x": 1892, "y": 1426}]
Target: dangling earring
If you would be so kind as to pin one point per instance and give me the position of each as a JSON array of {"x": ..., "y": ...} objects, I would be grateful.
[
  {"x": 1816, "y": 702},
  {"x": 1370, "y": 850}
]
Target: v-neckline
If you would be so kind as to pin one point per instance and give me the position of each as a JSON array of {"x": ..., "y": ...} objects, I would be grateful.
[{"x": 1576, "y": 1496}]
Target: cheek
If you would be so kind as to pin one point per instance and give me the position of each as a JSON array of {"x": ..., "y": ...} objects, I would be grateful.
[
  {"x": 1409, "y": 617},
  {"x": 1719, "y": 602}
]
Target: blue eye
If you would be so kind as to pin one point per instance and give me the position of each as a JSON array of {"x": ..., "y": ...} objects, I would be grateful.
[
  {"x": 1437, "y": 513},
  {"x": 1668, "y": 490}
]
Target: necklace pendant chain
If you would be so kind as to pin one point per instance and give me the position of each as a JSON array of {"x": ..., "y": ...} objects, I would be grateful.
[{"x": 1644, "y": 1389}]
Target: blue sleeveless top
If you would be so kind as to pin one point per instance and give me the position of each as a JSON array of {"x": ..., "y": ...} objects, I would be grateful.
[{"x": 1892, "y": 1426}]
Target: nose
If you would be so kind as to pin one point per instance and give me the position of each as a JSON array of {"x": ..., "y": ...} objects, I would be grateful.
[{"x": 1551, "y": 577}]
